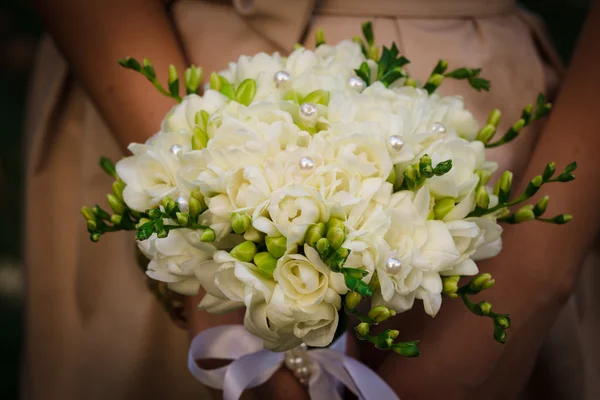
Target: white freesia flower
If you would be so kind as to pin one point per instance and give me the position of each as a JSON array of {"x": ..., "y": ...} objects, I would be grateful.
[
  {"x": 289, "y": 212},
  {"x": 182, "y": 117},
  {"x": 177, "y": 259},
  {"x": 152, "y": 172},
  {"x": 306, "y": 280}
]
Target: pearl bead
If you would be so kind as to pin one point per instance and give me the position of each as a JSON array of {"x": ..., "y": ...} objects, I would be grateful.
[
  {"x": 356, "y": 83},
  {"x": 184, "y": 205},
  {"x": 175, "y": 149},
  {"x": 303, "y": 373},
  {"x": 309, "y": 112},
  {"x": 306, "y": 164},
  {"x": 303, "y": 346},
  {"x": 438, "y": 127},
  {"x": 393, "y": 265},
  {"x": 396, "y": 143},
  {"x": 282, "y": 78}
]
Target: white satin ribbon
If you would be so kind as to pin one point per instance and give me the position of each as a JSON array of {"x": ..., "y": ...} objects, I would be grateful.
[{"x": 252, "y": 365}]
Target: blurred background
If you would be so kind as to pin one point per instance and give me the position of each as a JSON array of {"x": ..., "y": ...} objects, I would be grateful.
[{"x": 20, "y": 30}]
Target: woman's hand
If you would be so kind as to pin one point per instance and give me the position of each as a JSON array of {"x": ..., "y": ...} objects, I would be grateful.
[{"x": 534, "y": 274}]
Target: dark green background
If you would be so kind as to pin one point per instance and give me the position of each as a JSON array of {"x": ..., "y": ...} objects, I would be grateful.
[{"x": 19, "y": 31}]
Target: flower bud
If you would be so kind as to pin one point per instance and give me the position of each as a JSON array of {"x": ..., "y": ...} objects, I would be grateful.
[
  {"x": 392, "y": 333},
  {"x": 549, "y": 171},
  {"x": 409, "y": 349},
  {"x": 118, "y": 187},
  {"x": 182, "y": 219},
  {"x": 352, "y": 300},
  {"x": 411, "y": 177},
  {"x": 435, "y": 80},
  {"x": 155, "y": 213},
  {"x": 562, "y": 219},
  {"x": 246, "y": 91},
  {"x": 526, "y": 113},
  {"x": 314, "y": 233},
  {"x": 319, "y": 37},
  {"x": 494, "y": 117},
  {"x": 276, "y": 246},
  {"x": 425, "y": 167},
  {"x": 199, "y": 138},
  {"x": 484, "y": 176},
  {"x": 443, "y": 207},
  {"x": 317, "y": 97},
  {"x": 240, "y": 222},
  {"x": 195, "y": 207},
  {"x": 208, "y": 236},
  {"x": 336, "y": 237},
  {"x": 392, "y": 177},
  {"x": 215, "y": 82},
  {"x": 334, "y": 223},
  {"x": 117, "y": 205},
  {"x": 91, "y": 225},
  {"x": 534, "y": 186},
  {"x": 499, "y": 334},
  {"x": 95, "y": 237},
  {"x": 450, "y": 285},
  {"x": 167, "y": 202},
  {"x": 517, "y": 126},
  {"x": 482, "y": 198},
  {"x": 141, "y": 222},
  {"x": 162, "y": 234},
  {"x": 244, "y": 251},
  {"x": 116, "y": 219},
  {"x": 410, "y": 82},
  {"x": 503, "y": 187},
  {"x": 481, "y": 282},
  {"x": 88, "y": 214},
  {"x": 323, "y": 247},
  {"x": 172, "y": 74},
  {"x": 381, "y": 313},
  {"x": 484, "y": 308},
  {"x": 486, "y": 133},
  {"x": 525, "y": 213},
  {"x": 265, "y": 263},
  {"x": 362, "y": 330},
  {"x": 502, "y": 321}
]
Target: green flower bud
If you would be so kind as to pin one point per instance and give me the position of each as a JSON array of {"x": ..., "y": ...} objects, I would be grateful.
[
  {"x": 240, "y": 222},
  {"x": 199, "y": 139},
  {"x": 482, "y": 199},
  {"x": 336, "y": 237},
  {"x": 499, "y": 334},
  {"x": 518, "y": 125},
  {"x": 172, "y": 74},
  {"x": 351, "y": 300},
  {"x": 494, "y": 117},
  {"x": 425, "y": 167},
  {"x": 562, "y": 219},
  {"x": 410, "y": 82},
  {"x": 534, "y": 186},
  {"x": 323, "y": 247},
  {"x": 276, "y": 246},
  {"x": 195, "y": 207},
  {"x": 481, "y": 282},
  {"x": 373, "y": 53},
  {"x": 116, "y": 204},
  {"x": 565, "y": 177},
  {"x": 95, "y": 237},
  {"x": 381, "y": 313},
  {"x": 443, "y": 207},
  {"x": 525, "y": 213},
  {"x": 215, "y": 82},
  {"x": 392, "y": 333},
  {"x": 362, "y": 330},
  {"x": 91, "y": 225},
  {"x": 540, "y": 206},
  {"x": 319, "y": 37},
  {"x": 141, "y": 222},
  {"x": 526, "y": 113},
  {"x": 409, "y": 349},
  {"x": 182, "y": 219},
  {"x": 392, "y": 177},
  {"x": 411, "y": 177},
  {"x": 440, "y": 67},
  {"x": 486, "y": 133},
  {"x": 116, "y": 219},
  {"x": 435, "y": 80},
  {"x": 334, "y": 223},
  {"x": 484, "y": 176},
  {"x": 484, "y": 308},
  {"x": 549, "y": 171},
  {"x": 265, "y": 263},
  {"x": 314, "y": 233},
  {"x": 118, "y": 187},
  {"x": 502, "y": 321},
  {"x": 450, "y": 285},
  {"x": 245, "y": 92},
  {"x": 155, "y": 213},
  {"x": 88, "y": 214},
  {"x": 208, "y": 236},
  {"x": 162, "y": 234},
  {"x": 503, "y": 187}
]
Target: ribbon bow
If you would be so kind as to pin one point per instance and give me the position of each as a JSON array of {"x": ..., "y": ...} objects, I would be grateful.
[{"x": 252, "y": 365}]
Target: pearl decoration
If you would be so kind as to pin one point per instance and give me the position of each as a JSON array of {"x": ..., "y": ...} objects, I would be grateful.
[
  {"x": 309, "y": 112},
  {"x": 393, "y": 265},
  {"x": 175, "y": 149},
  {"x": 356, "y": 83},
  {"x": 438, "y": 127},
  {"x": 183, "y": 203},
  {"x": 395, "y": 142},
  {"x": 282, "y": 78},
  {"x": 298, "y": 361},
  {"x": 306, "y": 164}
]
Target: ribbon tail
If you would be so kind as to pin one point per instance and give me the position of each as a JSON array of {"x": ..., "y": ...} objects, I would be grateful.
[
  {"x": 367, "y": 381},
  {"x": 250, "y": 371}
]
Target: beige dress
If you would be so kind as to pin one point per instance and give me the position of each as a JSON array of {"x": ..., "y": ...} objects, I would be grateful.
[{"x": 93, "y": 329}]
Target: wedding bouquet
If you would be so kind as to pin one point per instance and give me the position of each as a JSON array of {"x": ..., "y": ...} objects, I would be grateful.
[{"x": 319, "y": 185}]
